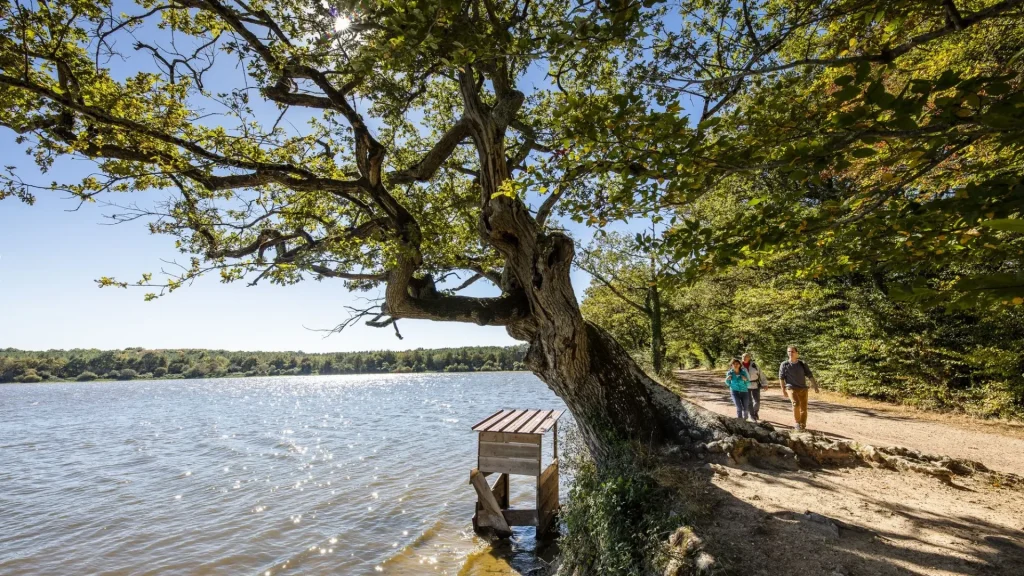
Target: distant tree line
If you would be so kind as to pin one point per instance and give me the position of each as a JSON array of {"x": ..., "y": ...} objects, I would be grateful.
[{"x": 132, "y": 363}]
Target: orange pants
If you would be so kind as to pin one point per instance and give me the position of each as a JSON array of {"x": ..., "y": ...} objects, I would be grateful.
[{"x": 798, "y": 396}]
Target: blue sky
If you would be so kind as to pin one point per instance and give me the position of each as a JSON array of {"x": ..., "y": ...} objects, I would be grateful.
[{"x": 51, "y": 255}]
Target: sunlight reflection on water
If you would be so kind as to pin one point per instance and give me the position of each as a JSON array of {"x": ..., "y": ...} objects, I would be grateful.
[{"x": 299, "y": 475}]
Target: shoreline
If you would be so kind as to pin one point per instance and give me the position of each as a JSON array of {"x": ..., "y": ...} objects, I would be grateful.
[{"x": 241, "y": 375}]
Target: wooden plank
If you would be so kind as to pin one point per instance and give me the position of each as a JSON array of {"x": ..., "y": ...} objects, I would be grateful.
[
  {"x": 547, "y": 498},
  {"x": 527, "y": 467},
  {"x": 501, "y": 491},
  {"x": 515, "y": 424},
  {"x": 552, "y": 469},
  {"x": 487, "y": 421},
  {"x": 509, "y": 450},
  {"x": 549, "y": 421},
  {"x": 509, "y": 437},
  {"x": 497, "y": 426},
  {"x": 490, "y": 505},
  {"x": 530, "y": 425},
  {"x": 520, "y": 517}
]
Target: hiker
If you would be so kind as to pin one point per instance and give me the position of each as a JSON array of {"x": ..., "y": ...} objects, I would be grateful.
[
  {"x": 793, "y": 376},
  {"x": 738, "y": 382},
  {"x": 757, "y": 381}
]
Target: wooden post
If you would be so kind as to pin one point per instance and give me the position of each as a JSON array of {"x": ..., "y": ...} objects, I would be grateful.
[{"x": 501, "y": 491}]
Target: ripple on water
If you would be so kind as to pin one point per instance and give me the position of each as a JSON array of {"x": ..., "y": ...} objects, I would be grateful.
[{"x": 303, "y": 475}]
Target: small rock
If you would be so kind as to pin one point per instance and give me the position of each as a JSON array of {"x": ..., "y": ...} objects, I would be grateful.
[{"x": 719, "y": 469}]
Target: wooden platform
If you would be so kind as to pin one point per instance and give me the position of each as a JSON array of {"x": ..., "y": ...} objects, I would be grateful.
[{"x": 510, "y": 442}]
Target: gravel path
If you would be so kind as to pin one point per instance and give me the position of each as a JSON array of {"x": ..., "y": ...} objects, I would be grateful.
[{"x": 998, "y": 446}]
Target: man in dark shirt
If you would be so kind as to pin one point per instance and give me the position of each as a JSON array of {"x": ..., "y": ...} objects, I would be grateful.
[{"x": 793, "y": 376}]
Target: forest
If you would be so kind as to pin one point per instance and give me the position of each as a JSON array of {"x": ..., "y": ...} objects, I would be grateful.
[{"x": 132, "y": 363}]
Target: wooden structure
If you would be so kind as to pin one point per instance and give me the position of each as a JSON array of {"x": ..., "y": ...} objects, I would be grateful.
[{"x": 510, "y": 443}]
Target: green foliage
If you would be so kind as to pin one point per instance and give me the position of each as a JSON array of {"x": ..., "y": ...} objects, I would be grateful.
[
  {"x": 618, "y": 516},
  {"x": 608, "y": 523},
  {"x": 868, "y": 139},
  {"x": 132, "y": 362},
  {"x": 858, "y": 339},
  {"x": 29, "y": 376}
]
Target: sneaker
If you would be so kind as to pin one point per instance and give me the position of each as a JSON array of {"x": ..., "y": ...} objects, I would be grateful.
[{"x": 796, "y": 427}]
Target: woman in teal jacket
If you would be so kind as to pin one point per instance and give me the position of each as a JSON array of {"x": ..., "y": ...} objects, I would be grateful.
[{"x": 739, "y": 383}]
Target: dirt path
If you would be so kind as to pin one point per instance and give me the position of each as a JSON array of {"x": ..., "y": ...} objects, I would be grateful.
[
  {"x": 998, "y": 446},
  {"x": 861, "y": 522}
]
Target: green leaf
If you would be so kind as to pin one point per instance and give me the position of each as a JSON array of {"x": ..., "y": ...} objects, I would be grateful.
[
  {"x": 863, "y": 152},
  {"x": 710, "y": 123},
  {"x": 1007, "y": 224},
  {"x": 848, "y": 93}
]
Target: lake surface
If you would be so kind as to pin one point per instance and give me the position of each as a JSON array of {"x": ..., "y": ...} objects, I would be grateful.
[{"x": 295, "y": 475}]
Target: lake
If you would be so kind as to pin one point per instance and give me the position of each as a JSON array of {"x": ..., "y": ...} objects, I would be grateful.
[{"x": 363, "y": 474}]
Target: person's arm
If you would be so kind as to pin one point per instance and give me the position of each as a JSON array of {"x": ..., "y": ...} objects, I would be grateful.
[{"x": 782, "y": 379}]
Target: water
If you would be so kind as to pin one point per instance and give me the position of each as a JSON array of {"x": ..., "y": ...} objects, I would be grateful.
[{"x": 294, "y": 475}]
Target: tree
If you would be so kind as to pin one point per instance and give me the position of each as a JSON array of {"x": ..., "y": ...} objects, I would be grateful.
[
  {"x": 637, "y": 275},
  {"x": 889, "y": 136},
  {"x": 384, "y": 201}
]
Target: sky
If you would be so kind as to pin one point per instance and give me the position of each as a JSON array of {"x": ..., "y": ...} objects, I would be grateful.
[{"x": 51, "y": 254}]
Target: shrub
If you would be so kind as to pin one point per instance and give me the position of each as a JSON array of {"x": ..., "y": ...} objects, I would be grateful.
[
  {"x": 195, "y": 372},
  {"x": 127, "y": 374},
  {"x": 112, "y": 375},
  {"x": 159, "y": 372},
  {"x": 617, "y": 518},
  {"x": 29, "y": 377},
  {"x": 86, "y": 376}
]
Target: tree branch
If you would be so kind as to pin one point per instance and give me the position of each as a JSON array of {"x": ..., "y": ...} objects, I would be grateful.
[{"x": 425, "y": 169}]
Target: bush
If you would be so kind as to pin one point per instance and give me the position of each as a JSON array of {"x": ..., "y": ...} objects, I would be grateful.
[
  {"x": 86, "y": 376},
  {"x": 159, "y": 372},
  {"x": 127, "y": 374},
  {"x": 617, "y": 518},
  {"x": 112, "y": 375},
  {"x": 195, "y": 372},
  {"x": 29, "y": 377}
]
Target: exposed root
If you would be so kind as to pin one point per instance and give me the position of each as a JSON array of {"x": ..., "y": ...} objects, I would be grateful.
[
  {"x": 712, "y": 437},
  {"x": 803, "y": 449}
]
